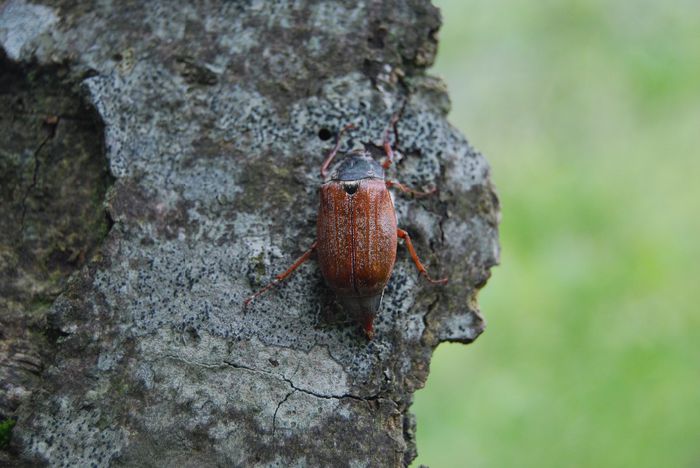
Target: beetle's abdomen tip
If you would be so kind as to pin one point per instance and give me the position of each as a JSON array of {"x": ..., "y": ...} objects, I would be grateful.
[{"x": 368, "y": 325}]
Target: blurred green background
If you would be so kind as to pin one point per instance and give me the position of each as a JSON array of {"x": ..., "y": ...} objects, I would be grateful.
[{"x": 589, "y": 113}]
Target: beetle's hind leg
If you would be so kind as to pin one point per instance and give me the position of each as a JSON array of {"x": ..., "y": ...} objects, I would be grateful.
[
  {"x": 409, "y": 245},
  {"x": 282, "y": 276}
]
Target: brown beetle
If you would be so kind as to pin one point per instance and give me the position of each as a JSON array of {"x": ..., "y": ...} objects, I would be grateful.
[{"x": 357, "y": 232}]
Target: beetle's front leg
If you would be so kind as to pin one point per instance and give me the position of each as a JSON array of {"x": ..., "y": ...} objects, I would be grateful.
[
  {"x": 282, "y": 276},
  {"x": 386, "y": 143},
  {"x": 404, "y": 189},
  {"x": 329, "y": 159},
  {"x": 409, "y": 245}
]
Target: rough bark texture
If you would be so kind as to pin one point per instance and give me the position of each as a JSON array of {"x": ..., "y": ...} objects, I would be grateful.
[{"x": 201, "y": 129}]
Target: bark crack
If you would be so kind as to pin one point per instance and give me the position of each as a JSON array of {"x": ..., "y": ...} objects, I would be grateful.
[
  {"x": 299, "y": 389},
  {"x": 295, "y": 388},
  {"x": 431, "y": 308},
  {"x": 32, "y": 185},
  {"x": 50, "y": 123},
  {"x": 274, "y": 416}
]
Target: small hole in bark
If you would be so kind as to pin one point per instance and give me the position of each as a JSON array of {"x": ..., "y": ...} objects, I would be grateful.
[{"x": 325, "y": 134}]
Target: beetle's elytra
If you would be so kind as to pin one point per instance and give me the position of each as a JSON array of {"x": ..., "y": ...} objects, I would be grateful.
[{"x": 357, "y": 232}]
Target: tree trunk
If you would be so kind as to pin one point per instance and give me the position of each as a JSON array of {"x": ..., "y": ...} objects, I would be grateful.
[{"x": 201, "y": 130}]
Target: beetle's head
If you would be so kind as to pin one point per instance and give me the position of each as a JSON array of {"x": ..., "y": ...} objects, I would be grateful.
[{"x": 356, "y": 165}]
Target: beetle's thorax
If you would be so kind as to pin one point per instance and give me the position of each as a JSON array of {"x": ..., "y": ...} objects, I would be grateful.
[{"x": 356, "y": 165}]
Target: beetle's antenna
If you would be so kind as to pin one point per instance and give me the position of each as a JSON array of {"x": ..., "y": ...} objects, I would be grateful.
[{"x": 334, "y": 151}]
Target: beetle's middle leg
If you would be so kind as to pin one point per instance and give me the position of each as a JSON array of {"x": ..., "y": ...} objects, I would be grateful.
[
  {"x": 409, "y": 245},
  {"x": 283, "y": 276},
  {"x": 404, "y": 189}
]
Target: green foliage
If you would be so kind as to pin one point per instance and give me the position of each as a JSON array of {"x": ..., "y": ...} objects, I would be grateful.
[
  {"x": 6, "y": 432},
  {"x": 589, "y": 112}
]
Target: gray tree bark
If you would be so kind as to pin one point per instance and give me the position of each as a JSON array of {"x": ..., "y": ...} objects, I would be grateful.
[{"x": 200, "y": 129}]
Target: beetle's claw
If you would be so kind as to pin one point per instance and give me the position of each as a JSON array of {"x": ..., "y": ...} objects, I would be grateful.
[{"x": 441, "y": 281}]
